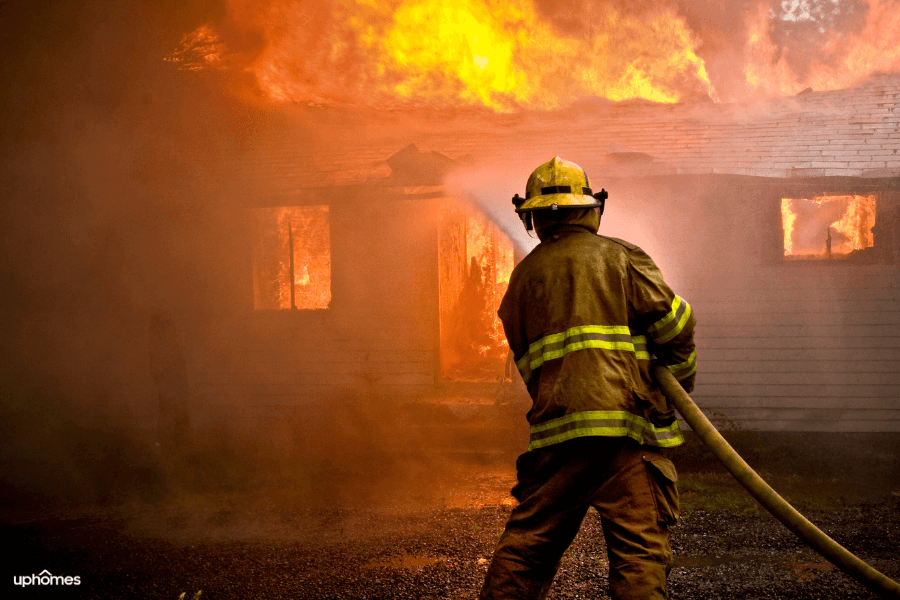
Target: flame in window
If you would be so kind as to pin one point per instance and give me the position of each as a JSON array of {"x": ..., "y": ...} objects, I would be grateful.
[
  {"x": 827, "y": 226},
  {"x": 291, "y": 258}
]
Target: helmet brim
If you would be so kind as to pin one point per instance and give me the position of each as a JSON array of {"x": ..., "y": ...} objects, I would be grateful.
[{"x": 558, "y": 202}]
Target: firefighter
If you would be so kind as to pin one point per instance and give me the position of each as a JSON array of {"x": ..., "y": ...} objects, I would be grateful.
[{"x": 585, "y": 315}]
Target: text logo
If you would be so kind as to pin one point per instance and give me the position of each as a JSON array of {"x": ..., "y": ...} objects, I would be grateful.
[{"x": 45, "y": 578}]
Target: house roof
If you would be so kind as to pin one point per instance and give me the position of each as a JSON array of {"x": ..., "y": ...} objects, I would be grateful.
[{"x": 852, "y": 132}]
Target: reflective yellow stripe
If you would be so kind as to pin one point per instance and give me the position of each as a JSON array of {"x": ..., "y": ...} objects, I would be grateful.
[
  {"x": 640, "y": 347},
  {"x": 579, "y": 330},
  {"x": 608, "y": 423},
  {"x": 612, "y": 345},
  {"x": 557, "y": 345},
  {"x": 668, "y": 318},
  {"x": 685, "y": 369},
  {"x": 673, "y": 323}
]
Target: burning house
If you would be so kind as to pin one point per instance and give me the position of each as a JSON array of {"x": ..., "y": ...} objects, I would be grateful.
[
  {"x": 376, "y": 237},
  {"x": 253, "y": 252},
  {"x": 304, "y": 218}
]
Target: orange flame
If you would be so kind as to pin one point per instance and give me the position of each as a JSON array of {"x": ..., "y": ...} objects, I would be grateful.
[
  {"x": 842, "y": 60},
  {"x": 476, "y": 262},
  {"x": 766, "y": 68},
  {"x": 305, "y": 231},
  {"x": 501, "y": 55},
  {"x": 876, "y": 48},
  {"x": 855, "y": 227},
  {"x": 201, "y": 49},
  {"x": 808, "y": 225},
  {"x": 787, "y": 224}
]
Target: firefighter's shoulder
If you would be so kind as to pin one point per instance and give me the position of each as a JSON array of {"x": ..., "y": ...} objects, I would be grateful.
[
  {"x": 633, "y": 253},
  {"x": 627, "y": 245}
]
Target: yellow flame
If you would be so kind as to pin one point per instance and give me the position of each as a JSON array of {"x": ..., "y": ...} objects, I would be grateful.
[
  {"x": 302, "y": 276},
  {"x": 502, "y": 55},
  {"x": 855, "y": 226},
  {"x": 787, "y": 224}
]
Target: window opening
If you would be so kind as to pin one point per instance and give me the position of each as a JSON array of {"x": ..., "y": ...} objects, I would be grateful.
[
  {"x": 291, "y": 258},
  {"x": 827, "y": 227},
  {"x": 476, "y": 261}
]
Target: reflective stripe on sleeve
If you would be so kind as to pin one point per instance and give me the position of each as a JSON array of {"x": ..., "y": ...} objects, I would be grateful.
[
  {"x": 609, "y": 423},
  {"x": 557, "y": 345},
  {"x": 671, "y": 325},
  {"x": 640, "y": 347},
  {"x": 685, "y": 369}
]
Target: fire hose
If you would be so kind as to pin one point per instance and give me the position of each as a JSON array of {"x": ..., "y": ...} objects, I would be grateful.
[{"x": 872, "y": 579}]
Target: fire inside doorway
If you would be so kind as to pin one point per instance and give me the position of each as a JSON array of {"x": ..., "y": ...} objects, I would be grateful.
[{"x": 476, "y": 261}]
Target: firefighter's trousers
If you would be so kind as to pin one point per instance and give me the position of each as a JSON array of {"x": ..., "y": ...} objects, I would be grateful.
[{"x": 633, "y": 489}]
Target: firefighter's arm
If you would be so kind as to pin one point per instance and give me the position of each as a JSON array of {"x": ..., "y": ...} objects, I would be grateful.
[
  {"x": 511, "y": 318},
  {"x": 667, "y": 319}
]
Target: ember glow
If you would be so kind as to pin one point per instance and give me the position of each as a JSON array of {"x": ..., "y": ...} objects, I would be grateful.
[
  {"x": 827, "y": 226},
  {"x": 199, "y": 50},
  {"x": 291, "y": 258}
]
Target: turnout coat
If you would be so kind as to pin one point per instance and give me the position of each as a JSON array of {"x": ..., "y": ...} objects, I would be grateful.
[{"x": 585, "y": 315}]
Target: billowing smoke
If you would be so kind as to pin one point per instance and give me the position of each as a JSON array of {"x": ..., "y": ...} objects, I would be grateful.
[
  {"x": 121, "y": 251},
  {"x": 108, "y": 176}
]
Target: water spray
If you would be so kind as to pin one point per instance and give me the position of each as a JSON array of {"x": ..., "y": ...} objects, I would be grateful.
[
  {"x": 872, "y": 579},
  {"x": 482, "y": 188},
  {"x": 489, "y": 187}
]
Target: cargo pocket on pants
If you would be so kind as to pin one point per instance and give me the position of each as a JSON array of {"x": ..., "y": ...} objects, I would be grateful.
[{"x": 663, "y": 480}]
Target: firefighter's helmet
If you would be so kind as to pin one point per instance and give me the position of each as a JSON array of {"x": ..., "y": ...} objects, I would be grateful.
[{"x": 557, "y": 184}]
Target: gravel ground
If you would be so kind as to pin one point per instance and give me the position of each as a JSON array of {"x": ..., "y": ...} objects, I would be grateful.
[{"x": 240, "y": 546}]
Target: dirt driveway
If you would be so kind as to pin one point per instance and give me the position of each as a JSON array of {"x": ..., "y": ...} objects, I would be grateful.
[{"x": 436, "y": 544}]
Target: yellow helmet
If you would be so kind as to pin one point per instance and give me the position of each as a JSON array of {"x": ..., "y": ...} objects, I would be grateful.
[{"x": 558, "y": 184}]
